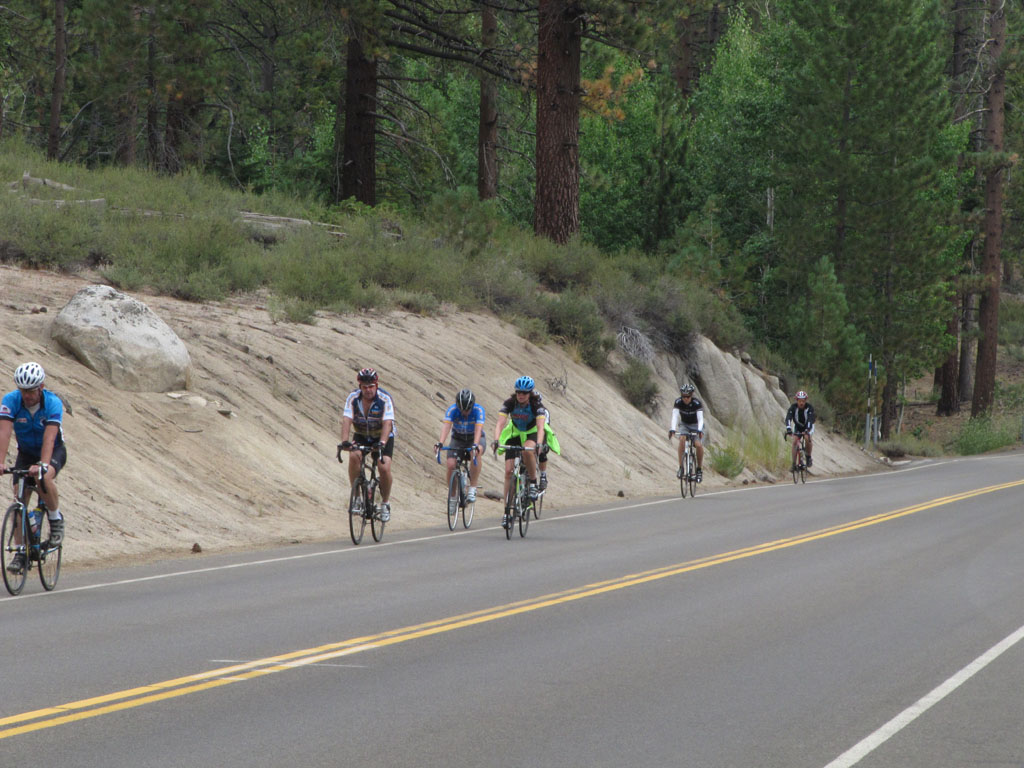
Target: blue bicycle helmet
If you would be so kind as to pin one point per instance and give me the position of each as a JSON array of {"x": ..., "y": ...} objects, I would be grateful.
[{"x": 524, "y": 384}]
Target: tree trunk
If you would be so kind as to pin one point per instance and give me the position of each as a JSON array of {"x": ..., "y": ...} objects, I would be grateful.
[
  {"x": 968, "y": 345},
  {"x": 888, "y": 402},
  {"x": 154, "y": 154},
  {"x": 60, "y": 57},
  {"x": 557, "y": 198},
  {"x": 359, "y": 152},
  {"x": 988, "y": 319},
  {"x": 948, "y": 373},
  {"x": 487, "y": 136}
]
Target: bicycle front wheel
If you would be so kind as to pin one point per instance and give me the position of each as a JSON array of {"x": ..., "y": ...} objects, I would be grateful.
[
  {"x": 691, "y": 476},
  {"x": 357, "y": 512},
  {"x": 49, "y": 557},
  {"x": 468, "y": 507},
  {"x": 538, "y": 505},
  {"x": 524, "y": 516},
  {"x": 684, "y": 478},
  {"x": 510, "y": 507},
  {"x": 376, "y": 521},
  {"x": 13, "y": 522},
  {"x": 453, "y": 501}
]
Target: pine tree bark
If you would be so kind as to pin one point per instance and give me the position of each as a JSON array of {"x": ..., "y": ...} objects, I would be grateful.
[
  {"x": 359, "y": 150},
  {"x": 988, "y": 317},
  {"x": 557, "y": 197},
  {"x": 968, "y": 345},
  {"x": 487, "y": 135},
  {"x": 60, "y": 56}
]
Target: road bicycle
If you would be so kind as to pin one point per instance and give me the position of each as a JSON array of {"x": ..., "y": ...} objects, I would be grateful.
[
  {"x": 458, "y": 486},
  {"x": 688, "y": 477},
  {"x": 20, "y": 534},
  {"x": 362, "y": 506},
  {"x": 518, "y": 504},
  {"x": 800, "y": 468}
]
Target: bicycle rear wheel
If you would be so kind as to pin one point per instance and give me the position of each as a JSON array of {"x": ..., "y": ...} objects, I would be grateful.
[
  {"x": 13, "y": 522},
  {"x": 357, "y": 512},
  {"x": 376, "y": 521},
  {"x": 49, "y": 557},
  {"x": 452, "y": 501},
  {"x": 468, "y": 507}
]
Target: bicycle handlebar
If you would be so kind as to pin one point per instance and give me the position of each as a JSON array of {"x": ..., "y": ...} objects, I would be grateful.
[
  {"x": 375, "y": 448},
  {"x": 437, "y": 453}
]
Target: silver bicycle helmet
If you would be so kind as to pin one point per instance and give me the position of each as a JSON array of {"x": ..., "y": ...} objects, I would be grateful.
[
  {"x": 29, "y": 376},
  {"x": 686, "y": 389}
]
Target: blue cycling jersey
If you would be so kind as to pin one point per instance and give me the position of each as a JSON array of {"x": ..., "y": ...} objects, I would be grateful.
[
  {"x": 465, "y": 425},
  {"x": 28, "y": 426}
]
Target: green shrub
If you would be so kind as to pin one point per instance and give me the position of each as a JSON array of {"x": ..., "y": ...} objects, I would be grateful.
[
  {"x": 985, "y": 434},
  {"x": 637, "y": 382},
  {"x": 909, "y": 445},
  {"x": 727, "y": 460},
  {"x": 533, "y": 329},
  {"x": 765, "y": 446},
  {"x": 576, "y": 319}
]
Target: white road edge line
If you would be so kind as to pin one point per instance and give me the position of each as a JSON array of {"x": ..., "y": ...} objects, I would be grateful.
[
  {"x": 867, "y": 745},
  {"x": 431, "y": 537}
]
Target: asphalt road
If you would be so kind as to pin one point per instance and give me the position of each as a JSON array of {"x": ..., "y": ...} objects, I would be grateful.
[{"x": 872, "y": 621}]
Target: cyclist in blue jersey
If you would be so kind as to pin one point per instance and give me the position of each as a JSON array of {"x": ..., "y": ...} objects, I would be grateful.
[
  {"x": 34, "y": 416},
  {"x": 464, "y": 421},
  {"x": 369, "y": 418}
]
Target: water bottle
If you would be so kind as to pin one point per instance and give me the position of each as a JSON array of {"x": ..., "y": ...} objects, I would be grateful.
[{"x": 34, "y": 518}]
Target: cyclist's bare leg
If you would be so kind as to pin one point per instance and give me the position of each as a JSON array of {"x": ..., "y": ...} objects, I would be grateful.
[
  {"x": 808, "y": 444},
  {"x": 699, "y": 444},
  {"x": 682, "y": 447},
  {"x": 530, "y": 458},
  {"x": 508, "y": 477},
  {"x": 384, "y": 468},
  {"x": 475, "y": 467},
  {"x": 450, "y": 468},
  {"x": 796, "y": 446},
  {"x": 354, "y": 457},
  {"x": 48, "y": 494}
]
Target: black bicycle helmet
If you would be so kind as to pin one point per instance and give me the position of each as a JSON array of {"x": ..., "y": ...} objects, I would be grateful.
[{"x": 465, "y": 399}]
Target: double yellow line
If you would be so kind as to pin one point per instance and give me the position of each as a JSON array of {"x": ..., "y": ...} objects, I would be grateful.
[{"x": 117, "y": 701}]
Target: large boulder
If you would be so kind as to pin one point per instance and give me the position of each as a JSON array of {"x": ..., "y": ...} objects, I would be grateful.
[{"x": 122, "y": 340}]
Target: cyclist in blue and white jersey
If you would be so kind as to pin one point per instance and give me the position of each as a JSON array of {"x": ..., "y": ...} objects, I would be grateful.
[
  {"x": 34, "y": 416},
  {"x": 800, "y": 421},
  {"x": 369, "y": 418},
  {"x": 464, "y": 421},
  {"x": 688, "y": 414}
]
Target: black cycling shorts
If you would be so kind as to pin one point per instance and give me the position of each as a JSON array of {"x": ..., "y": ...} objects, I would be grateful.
[
  {"x": 389, "y": 446},
  {"x": 58, "y": 460}
]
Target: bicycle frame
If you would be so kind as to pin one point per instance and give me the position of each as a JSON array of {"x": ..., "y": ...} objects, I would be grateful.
[
  {"x": 364, "y": 489},
  {"x": 517, "y": 504},
  {"x": 17, "y": 538}
]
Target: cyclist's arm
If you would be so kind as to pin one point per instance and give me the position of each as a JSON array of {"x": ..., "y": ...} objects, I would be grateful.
[
  {"x": 346, "y": 428},
  {"x": 49, "y": 438},
  {"x": 502, "y": 421},
  {"x": 540, "y": 431},
  {"x": 478, "y": 435},
  {"x": 6, "y": 428},
  {"x": 700, "y": 420},
  {"x": 385, "y": 429},
  {"x": 446, "y": 429},
  {"x": 675, "y": 420}
]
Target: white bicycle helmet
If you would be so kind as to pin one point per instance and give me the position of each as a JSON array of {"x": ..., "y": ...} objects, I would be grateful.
[
  {"x": 29, "y": 376},
  {"x": 801, "y": 395}
]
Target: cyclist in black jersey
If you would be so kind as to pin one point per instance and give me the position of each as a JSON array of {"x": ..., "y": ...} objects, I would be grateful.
[
  {"x": 800, "y": 421},
  {"x": 688, "y": 415}
]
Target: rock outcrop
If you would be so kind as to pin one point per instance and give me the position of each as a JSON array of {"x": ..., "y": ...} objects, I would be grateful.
[{"x": 122, "y": 340}]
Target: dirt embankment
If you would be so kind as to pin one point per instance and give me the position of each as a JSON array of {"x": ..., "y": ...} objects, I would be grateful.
[{"x": 246, "y": 457}]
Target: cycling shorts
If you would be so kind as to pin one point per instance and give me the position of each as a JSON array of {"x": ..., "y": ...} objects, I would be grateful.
[
  {"x": 58, "y": 460},
  {"x": 389, "y": 446}
]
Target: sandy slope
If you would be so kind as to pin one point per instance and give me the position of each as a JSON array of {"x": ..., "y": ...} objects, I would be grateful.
[{"x": 246, "y": 457}]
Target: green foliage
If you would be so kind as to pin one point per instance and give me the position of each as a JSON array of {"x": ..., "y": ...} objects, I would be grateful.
[
  {"x": 575, "y": 319},
  {"x": 909, "y": 445},
  {"x": 986, "y": 434},
  {"x": 727, "y": 460},
  {"x": 638, "y": 385}
]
